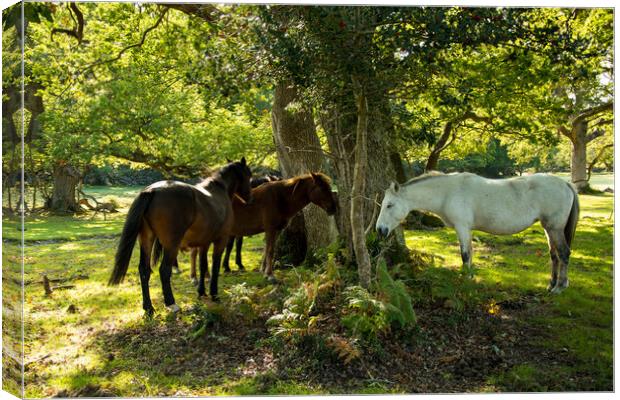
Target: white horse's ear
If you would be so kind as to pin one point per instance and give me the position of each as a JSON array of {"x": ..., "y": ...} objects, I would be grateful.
[{"x": 394, "y": 187}]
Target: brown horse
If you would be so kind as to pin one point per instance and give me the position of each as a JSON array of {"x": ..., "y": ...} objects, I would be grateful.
[
  {"x": 273, "y": 205},
  {"x": 178, "y": 215},
  {"x": 254, "y": 182}
]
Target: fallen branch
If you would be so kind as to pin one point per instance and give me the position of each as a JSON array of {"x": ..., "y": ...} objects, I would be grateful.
[{"x": 49, "y": 289}]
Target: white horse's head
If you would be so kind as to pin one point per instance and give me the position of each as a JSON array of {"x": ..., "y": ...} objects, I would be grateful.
[{"x": 393, "y": 210}]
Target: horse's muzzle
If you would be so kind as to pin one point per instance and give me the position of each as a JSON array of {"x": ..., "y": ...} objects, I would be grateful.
[{"x": 382, "y": 231}]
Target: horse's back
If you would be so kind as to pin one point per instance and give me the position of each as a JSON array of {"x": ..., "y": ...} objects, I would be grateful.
[
  {"x": 179, "y": 210},
  {"x": 505, "y": 206}
]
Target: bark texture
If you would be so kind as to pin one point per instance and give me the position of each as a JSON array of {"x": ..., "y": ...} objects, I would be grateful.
[
  {"x": 339, "y": 122},
  {"x": 357, "y": 191},
  {"x": 66, "y": 179},
  {"x": 299, "y": 152},
  {"x": 577, "y": 132}
]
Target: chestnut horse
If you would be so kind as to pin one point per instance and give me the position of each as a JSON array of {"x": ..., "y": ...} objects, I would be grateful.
[
  {"x": 273, "y": 205},
  {"x": 254, "y": 182},
  {"x": 177, "y": 215}
]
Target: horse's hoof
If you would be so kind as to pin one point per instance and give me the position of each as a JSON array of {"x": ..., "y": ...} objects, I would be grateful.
[
  {"x": 194, "y": 281},
  {"x": 215, "y": 298},
  {"x": 272, "y": 279},
  {"x": 241, "y": 268},
  {"x": 149, "y": 313},
  {"x": 173, "y": 308},
  {"x": 559, "y": 288},
  {"x": 176, "y": 270}
]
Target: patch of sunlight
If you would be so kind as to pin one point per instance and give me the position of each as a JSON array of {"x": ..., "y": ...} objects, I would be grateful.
[{"x": 125, "y": 381}]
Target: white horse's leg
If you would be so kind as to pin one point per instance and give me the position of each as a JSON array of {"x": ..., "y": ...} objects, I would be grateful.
[
  {"x": 555, "y": 266},
  {"x": 556, "y": 237},
  {"x": 464, "y": 235}
]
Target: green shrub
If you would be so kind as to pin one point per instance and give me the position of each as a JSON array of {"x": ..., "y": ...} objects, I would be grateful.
[
  {"x": 368, "y": 315},
  {"x": 204, "y": 316},
  {"x": 242, "y": 299},
  {"x": 296, "y": 319},
  {"x": 454, "y": 288}
]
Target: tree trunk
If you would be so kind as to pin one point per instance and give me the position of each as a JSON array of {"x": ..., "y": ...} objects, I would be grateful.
[
  {"x": 357, "y": 191},
  {"x": 299, "y": 152},
  {"x": 579, "y": 166},
  {"x": 399, "y": 170},
  {"x": 433, "y": 158},
  {"x": 339, "y": 122},
  {"x": 63, "y": 198}
]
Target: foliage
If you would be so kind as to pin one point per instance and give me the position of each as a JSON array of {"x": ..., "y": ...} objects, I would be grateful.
[
  {"x": 368, "y": 315},
  {"x": 296, "y": 319},
  {"x": 204, "y": 317},
  {"x": 108, "y": 99}
]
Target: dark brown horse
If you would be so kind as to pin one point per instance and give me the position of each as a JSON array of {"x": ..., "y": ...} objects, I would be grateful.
[
  {"x": 178, "y": 215},
  {"x": 273, "y": 205}
]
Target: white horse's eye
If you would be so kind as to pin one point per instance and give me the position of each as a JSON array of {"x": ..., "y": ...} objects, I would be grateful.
[{"x": 389, "y": 205}]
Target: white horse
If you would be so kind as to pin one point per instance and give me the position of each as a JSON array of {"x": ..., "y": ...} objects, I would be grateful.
[{"x": 466, "y": 201}]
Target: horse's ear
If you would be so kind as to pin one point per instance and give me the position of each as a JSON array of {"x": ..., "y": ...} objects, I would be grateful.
[
  {"x": 394, "y": 187},
  {"x": 243, "y": 161},
  {"x": 314, "y": 176},
  {"x": 228, "y": 160}
]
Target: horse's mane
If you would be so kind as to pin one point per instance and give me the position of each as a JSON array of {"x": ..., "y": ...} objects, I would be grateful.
[
  {"x": 216, "y": 176},
  {"x": 424, "y": 177},
  {"x": 323, "y": 180}
]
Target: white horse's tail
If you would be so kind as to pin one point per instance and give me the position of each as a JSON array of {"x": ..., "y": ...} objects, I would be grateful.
[{"x": 571, "y": 222}]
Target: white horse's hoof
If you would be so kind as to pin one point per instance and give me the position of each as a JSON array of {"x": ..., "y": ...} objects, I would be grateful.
[
  {"x": 272, "y": 279},
  {"x": 558, "y": 289},
  {"x": 173, "y": 308}
]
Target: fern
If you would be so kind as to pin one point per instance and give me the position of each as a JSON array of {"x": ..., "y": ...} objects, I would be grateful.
[
  {"x": 401, "y": 307},
  {"x": 345, "y": 349},
  {"x": 368, "y": 315}
]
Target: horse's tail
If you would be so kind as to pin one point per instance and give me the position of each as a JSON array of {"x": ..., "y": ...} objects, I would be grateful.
[
  {"x": 157, "y": 249},
  {"x": 133, "y": 225},
  {"x": 571, "y": 222}
]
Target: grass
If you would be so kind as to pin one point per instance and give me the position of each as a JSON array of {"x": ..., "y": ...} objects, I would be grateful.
[{"x": 69, "y": 334}]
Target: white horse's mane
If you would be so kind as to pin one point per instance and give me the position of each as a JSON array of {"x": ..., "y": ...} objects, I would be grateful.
[{"x": 423, "y": 177}]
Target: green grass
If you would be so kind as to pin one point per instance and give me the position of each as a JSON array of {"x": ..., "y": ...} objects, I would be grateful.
[
  {"x": 63, "y": 228},
  {"x": 71, "y": 349}
]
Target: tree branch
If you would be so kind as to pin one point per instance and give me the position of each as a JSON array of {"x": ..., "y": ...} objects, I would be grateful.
[
  {"x": 590, "y": 112},
  {"x": 78, "y": 30},
  {"x": 595, "y": 159},
  {"x": 131, "y": 46},
  {"x": 596, "y": 134},
  {"x": 565, "y": 131}
]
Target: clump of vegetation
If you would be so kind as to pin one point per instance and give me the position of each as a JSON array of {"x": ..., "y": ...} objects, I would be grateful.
[
  {"x": 450, "y": 288},
  {"x": 300, "y": 312},
  {"x": 205, "y": 317},
  {"x": 368, "y": 315}
]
